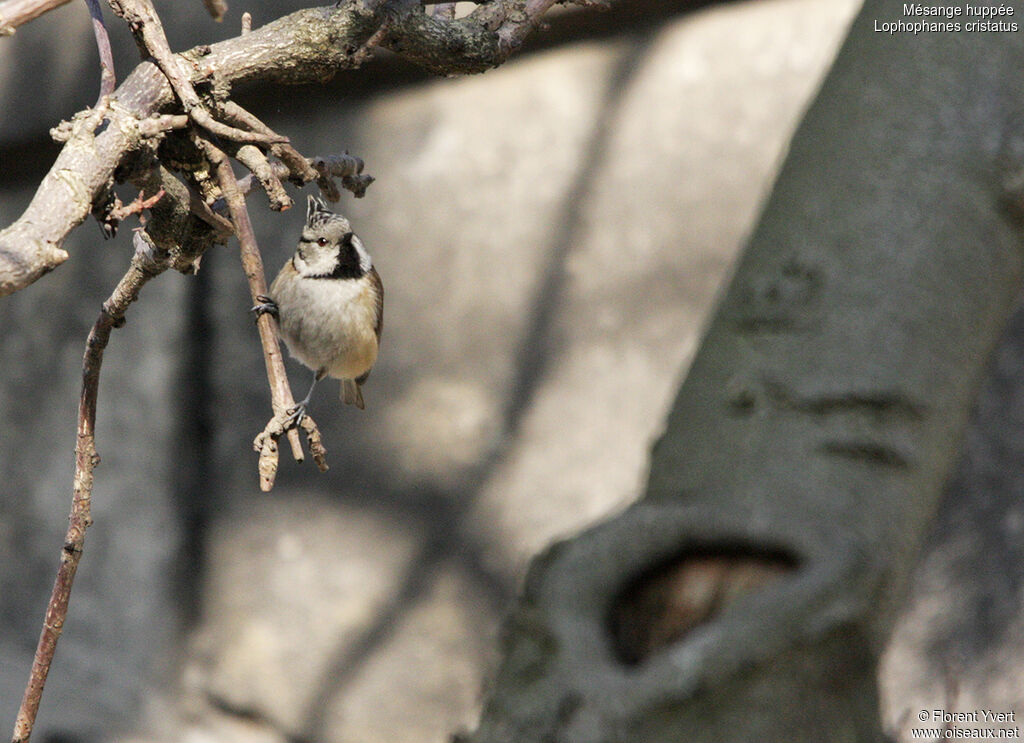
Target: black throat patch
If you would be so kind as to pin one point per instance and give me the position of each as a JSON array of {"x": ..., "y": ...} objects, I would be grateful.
[{"x": 348, "y": 265}]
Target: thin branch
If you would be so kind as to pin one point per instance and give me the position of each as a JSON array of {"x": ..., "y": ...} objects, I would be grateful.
[
  {"x": 323, "y": 170},
  {"x": 363, "y": 53},
  {"x": 159, "y": 124},
  {"x": 346, "y": 167},
  {"x": 107, "y": 78},
  {"x": 202, "y": 210},
  {"x": 203, "y": 117},
  {"x": 145, "y": 24},
  {"x": 122, "y": 211},
  {"x": 282, "y": 400},
  {"x": 14, "y": 13},
  {"x": 113, "y": 211},
  {"x": 147, "y": 262},
  {"x": 250, "y": 156},
  {"x": 299, "y": 169},
  {"x": 266, "y": 444},
  {"x": 393, "y": 11}
]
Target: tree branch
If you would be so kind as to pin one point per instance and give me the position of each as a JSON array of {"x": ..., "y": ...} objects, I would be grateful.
[
  {"x": 323, "y": 170},
  {"x": 107, "y": 78},
  {"x": 148, "y": 261},
  {"x": 124, "y": 130},
  {"x": 181, "y": 223},
  {"x": 282, "y": 400},
  {"x": 14, "y": 13},
  {"x": 298, "y": 169},
  {"x": 144, "y": 22},
  {"x": 307, "y": 46}
]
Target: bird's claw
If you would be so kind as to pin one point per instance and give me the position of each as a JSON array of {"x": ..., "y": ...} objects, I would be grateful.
[
  {"x": 294, "y": 416},
  {"x": 264, "y": 305}
]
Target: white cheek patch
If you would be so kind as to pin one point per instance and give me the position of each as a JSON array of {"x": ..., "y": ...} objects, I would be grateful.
[
  {"x": 319, "y": 263},
  {"x": 365, "y": 262}
]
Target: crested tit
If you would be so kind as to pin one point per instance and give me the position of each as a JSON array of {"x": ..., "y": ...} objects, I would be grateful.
[{"x": 329, "y": 303}]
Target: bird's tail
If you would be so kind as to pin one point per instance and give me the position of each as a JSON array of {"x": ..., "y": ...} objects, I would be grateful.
[{"x": 351, "y": 394}]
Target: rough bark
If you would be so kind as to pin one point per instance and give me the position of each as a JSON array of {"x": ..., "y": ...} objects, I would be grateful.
[{"x": 747, "y": 595}]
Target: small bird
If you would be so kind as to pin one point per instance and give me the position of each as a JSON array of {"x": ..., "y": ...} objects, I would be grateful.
[{"x": 329, "y": 303}]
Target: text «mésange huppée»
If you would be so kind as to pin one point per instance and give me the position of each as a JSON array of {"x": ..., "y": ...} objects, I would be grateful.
[{"x": 920, "y": 18}]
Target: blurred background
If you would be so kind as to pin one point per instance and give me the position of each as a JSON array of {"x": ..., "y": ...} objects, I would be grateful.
[{"x": 551, "y": 236}]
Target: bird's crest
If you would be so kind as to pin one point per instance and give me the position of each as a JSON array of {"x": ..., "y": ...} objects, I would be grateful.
[{"x": 317, "y": 212}]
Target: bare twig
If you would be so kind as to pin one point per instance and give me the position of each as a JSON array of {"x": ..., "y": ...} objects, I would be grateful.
[
  {"x": 144, "y": 22},
  {"x": 363, "y": 53},
  {"x": 391, "y": 13},
  {"x": 246, "y": 23},
  {"x": 136, "y": 206},
  {"x": 299, "y": 169},
  {"x": 203, "y": 117},
  {"x": 250, "y": 156},
  {"x": 205, "y": 213},
  {"x": 150, "y": 127},
  {"x": 113, "y": 211},
  {"x": 266, "y": 444},
  {"x": 323, "y": 170},
  {"x": 180, "y": 223},
  {"x": 14, "y": 13},
  {"x": 146, "y": 263},
  {"x": 282, "y": 400},
  {"x": 357, "y": 184},
  {"x": 346, "y": 167},
  {"x": 316, "y": 446},
  {"x": 107, "y": 77}
]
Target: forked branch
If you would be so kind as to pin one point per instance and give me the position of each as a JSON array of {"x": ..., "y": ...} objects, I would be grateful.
[
  {"x": 307, "y": 46},
  {"x": 149, "y": 34}
]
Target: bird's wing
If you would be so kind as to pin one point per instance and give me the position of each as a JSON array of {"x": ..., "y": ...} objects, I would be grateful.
[{"x": 378, "y": 324}]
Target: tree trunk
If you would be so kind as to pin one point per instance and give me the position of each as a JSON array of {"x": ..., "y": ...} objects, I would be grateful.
[{"x": 747, "y": 596}]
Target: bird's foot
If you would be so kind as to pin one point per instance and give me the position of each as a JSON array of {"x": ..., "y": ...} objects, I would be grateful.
[
  {"x": 295, "y": 415},
  {"x": 264, "y": 305}
]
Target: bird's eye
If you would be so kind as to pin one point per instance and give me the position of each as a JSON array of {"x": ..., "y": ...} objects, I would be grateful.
[{"x": 321, "y": 241}]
